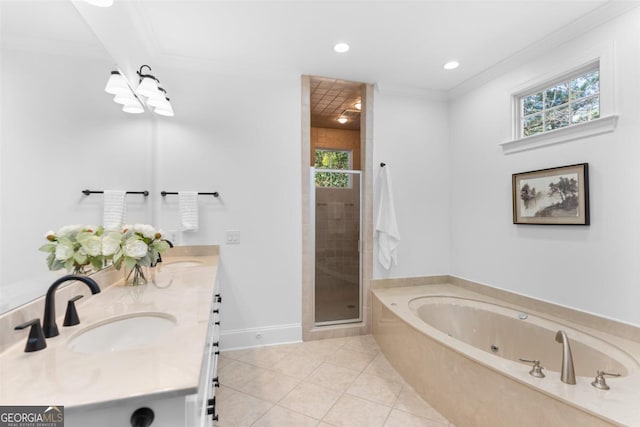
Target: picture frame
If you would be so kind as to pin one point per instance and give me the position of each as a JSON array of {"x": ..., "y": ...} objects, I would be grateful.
[{"x": 553, "y": 196}]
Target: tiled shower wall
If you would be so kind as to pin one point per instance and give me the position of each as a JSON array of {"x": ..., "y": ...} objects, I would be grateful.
[{"x": 337, "y": 263}]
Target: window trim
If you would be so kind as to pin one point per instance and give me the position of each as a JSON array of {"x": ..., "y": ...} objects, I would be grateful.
[
  {"x": 567, "y": 77},
  {"x": 602, "y": 54}
]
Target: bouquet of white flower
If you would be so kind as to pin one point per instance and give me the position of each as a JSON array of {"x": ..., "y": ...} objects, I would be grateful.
[
  {"x": 74, "y": 247},
  {"x": 137, "y": 246}
]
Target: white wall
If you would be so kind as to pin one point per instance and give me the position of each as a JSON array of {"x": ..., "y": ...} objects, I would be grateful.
[
  {"x": 60, "y": 134},
  {"x": 592, "y": 268},
  {"x": 411, "y": 136},
  {"x": 241, "y": 137}
]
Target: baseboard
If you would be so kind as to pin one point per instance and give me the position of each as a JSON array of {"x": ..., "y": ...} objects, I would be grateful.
[{"x": 235, "y": 339}]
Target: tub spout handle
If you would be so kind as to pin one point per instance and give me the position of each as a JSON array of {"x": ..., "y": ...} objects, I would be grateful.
[
  {"x": 536, "y": 370},
  {"x": 600, "y": 382}
]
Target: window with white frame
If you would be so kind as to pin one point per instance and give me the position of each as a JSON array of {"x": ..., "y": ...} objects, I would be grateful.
[
  {"x": 564, "y": 102},
  {"x": 336, "y": 160}
]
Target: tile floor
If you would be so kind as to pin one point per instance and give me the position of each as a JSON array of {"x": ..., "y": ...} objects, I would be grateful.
[{"x": 342, "y": 382}]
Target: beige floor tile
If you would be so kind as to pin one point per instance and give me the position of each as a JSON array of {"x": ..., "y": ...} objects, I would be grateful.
[
  {"x": 282, "y": 417},
  {"x": 363, "y": 344},
  {"x": 350, "y": 411},
  {"x": 350, "y": 359},
  {"x": 376, "y": 389},
  {"x": 264, "y": 357},
  {"x": 410, "y": 401},
  {"x": 404, "y": 419},
  {"x": 237, "y": 409},
  {"x": 297, "y": 365},
  {"x": 310, "y": 399},
  {"x": 235, "y": 374},
  {"x": 223, "y": 361},
  {"x": 333, "y": 376},
  {"x": 307, "y": 380},
  {"x": 382, "y": 368},
  {"x": 269, "y": 385},
  {"x": 321, "y": 348}
]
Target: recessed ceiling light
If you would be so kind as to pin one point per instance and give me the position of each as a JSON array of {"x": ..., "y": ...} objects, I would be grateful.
[
  {"x": 358, "y": 105},
  {"x": 341, "y": 47},
  {"x": 451, "y": 65},
  {"x": 342, "y": 120}
]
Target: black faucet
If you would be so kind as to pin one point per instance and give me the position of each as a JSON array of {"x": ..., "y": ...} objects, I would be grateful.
[
  {"x": 49, "y": 323},
  {"x": 160, "y": 256}
]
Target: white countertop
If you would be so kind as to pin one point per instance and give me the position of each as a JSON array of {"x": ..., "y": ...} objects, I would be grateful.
[{"x": 168, "y": 367}]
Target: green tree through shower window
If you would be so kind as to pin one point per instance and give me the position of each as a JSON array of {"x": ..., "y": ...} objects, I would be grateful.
[{"x": 332, "y": 159}]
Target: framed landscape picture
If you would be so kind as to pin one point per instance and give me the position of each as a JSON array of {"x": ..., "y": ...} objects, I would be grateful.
[{"x": 555, "y": 196}]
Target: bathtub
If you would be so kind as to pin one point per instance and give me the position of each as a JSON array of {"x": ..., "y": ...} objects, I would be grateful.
[{"x": 460, "y": 350}]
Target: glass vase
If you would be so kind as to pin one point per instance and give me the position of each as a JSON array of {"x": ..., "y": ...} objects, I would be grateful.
[
  {"x": 82, "y": 270},
  {"x": 138, "y": 275}
]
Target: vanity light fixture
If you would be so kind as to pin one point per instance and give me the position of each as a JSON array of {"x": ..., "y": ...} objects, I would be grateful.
[
  {"x": 118, "y": 86},
  {"x": 451, "y": 65},
  {"x": 156, "y": 95}
]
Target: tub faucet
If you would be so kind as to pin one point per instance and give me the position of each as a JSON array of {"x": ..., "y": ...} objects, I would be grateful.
[
  {"x": 567, "y": 374},
  {"x": 49, "y": 324}
]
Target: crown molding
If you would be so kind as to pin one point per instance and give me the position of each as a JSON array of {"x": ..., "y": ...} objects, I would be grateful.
[{"x": 591, "y": 20}]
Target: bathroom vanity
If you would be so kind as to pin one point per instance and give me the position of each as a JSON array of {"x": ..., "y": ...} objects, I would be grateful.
[{"x": 154, "y": 346}]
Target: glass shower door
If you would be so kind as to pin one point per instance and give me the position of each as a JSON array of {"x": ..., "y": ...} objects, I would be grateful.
[{"x": 336, "y": 198}]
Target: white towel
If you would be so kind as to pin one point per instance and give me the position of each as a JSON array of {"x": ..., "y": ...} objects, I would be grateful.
[
  {"x": 115, "y": 209},
  {"x": 188, "y": 210},
  {"x": 386, "y": 224}
]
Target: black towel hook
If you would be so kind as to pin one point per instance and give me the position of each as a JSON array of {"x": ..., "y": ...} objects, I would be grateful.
[{"x": 383, "y": 164}]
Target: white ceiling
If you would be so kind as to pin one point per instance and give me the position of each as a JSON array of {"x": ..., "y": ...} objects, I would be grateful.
[{"x": 394, "y": 43}]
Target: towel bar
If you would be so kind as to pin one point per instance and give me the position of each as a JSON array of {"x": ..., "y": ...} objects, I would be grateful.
[
  {"x": 214, "y": 194},
  {"x": 87, "y": 192}
]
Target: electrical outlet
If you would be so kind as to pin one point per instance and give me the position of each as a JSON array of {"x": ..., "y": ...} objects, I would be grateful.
[{"x": 232, "y": 237}]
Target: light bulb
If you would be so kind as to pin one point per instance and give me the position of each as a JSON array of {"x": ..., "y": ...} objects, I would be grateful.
[
  {"x": 133, "y": 108},
  {"x": 125, "y": 98},
  {"x": 148, "y": 87},
  {"x": 116, "y": 84},
  {"x": 164, "y": 112}
]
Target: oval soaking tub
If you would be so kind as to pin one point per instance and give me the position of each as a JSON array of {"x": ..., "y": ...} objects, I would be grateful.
[
  {"x": 460, "y": 351},
  {"x": 515, "y": 335}
]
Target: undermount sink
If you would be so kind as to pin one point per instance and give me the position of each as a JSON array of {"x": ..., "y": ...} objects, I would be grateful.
[{"x": 122, "y": 333}]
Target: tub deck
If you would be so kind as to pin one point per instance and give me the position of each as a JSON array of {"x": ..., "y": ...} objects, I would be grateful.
[{"x": 473, "y": 387}]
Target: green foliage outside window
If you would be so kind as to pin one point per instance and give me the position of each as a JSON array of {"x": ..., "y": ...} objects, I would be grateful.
[
  {"x": 325, "y": 159},
  {"x": 564, "y": 104}
]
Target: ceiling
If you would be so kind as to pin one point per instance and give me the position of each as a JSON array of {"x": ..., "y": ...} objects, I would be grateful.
[
  {"x": 400, "y": 45},
  {"x": 333, "y": 98},
  {"x": 394, "y": 43}
]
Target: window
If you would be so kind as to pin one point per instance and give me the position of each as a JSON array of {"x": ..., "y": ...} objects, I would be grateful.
[
  {"x": 333, "y": 159},
  {"x": 566, "y": 102}
]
